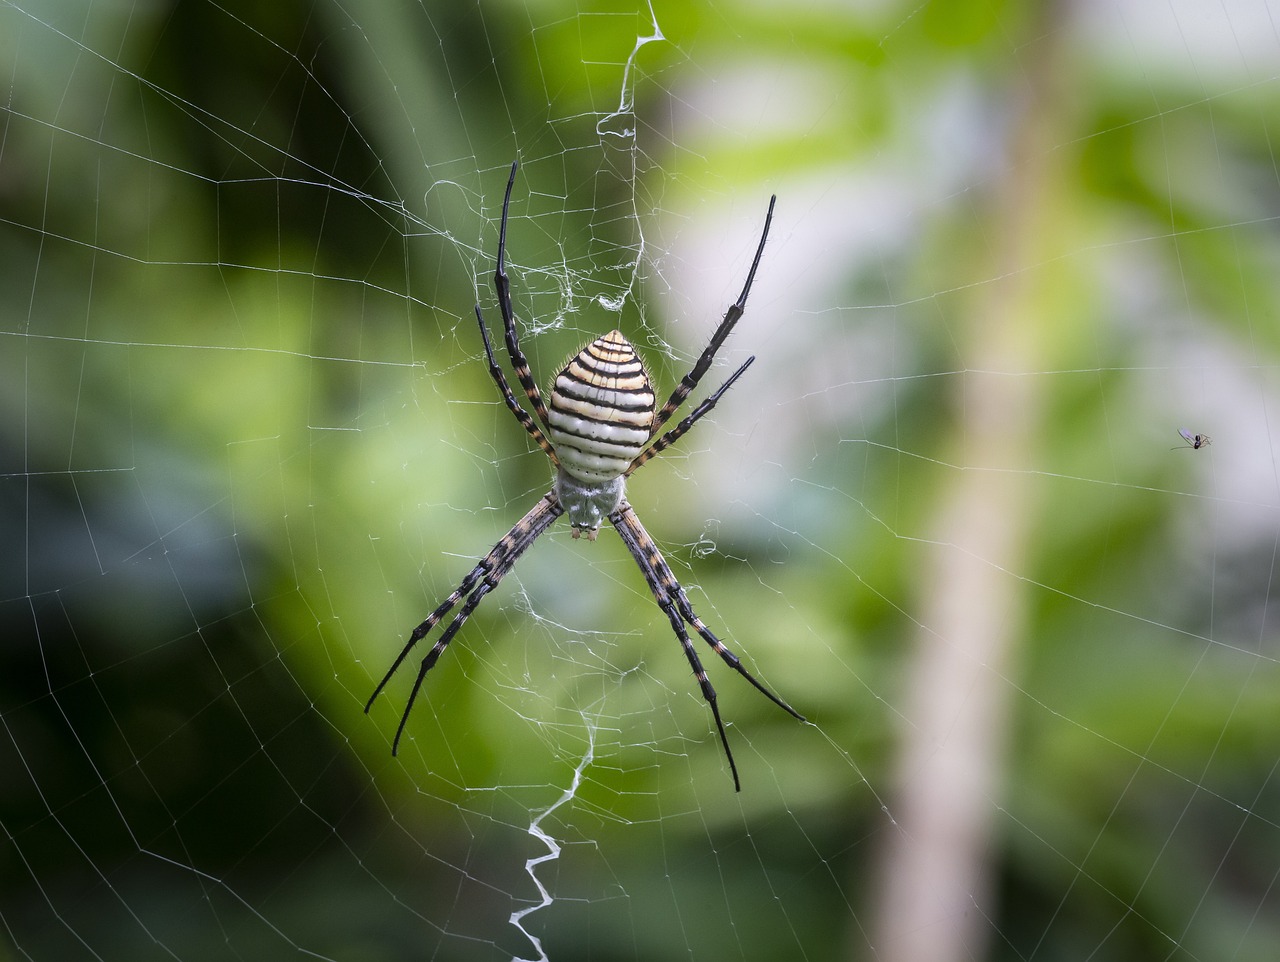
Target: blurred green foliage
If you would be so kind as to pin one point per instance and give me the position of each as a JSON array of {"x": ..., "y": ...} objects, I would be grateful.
[{"x": 248, "y": 440}]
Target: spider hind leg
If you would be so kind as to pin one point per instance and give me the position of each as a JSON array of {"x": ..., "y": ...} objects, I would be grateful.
[
  {"x": 482, "y": 579},
  {"x": 672, "y": 599}
]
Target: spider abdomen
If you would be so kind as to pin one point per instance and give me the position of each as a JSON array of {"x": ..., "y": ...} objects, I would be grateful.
[{"x": 601, "y": 411}]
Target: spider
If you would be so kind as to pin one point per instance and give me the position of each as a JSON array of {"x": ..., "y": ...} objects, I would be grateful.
[{"x": 599, "y": 427}]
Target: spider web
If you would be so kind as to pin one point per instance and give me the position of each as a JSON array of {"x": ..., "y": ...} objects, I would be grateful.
[{"x": 249, "y": 441}]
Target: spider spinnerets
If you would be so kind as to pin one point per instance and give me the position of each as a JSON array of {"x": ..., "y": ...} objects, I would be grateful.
[{"x": 601, "y": 425}]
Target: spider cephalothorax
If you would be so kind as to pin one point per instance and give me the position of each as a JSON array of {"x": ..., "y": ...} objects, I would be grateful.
[{"x": 601, "y": 425}]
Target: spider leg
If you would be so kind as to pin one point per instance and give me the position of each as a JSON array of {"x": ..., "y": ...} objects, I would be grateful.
[
  {"x": 674, "y": 602},
  {"x": 731, "y": 317},
  {"x": 674, "y": 435},
  {"x": 482, "y": 579},
  {"x": 432, "y": 656},
  {"x": 502, "y": 285},
  {"x": 708, "y": 692},
  {"x": 728, "y": 657},
  {"x": 526, "y": 421}
]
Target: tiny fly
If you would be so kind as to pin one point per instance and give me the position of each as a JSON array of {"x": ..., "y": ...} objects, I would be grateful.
[{"x": 1197, "y": 441}]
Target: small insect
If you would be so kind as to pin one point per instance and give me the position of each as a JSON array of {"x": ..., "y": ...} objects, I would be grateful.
[
  {"x": 600, "y": 425},
  {"x": 1197, "y": 441}
]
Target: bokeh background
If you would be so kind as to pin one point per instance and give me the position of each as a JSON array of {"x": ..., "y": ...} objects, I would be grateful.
[{"x": 248, "y": 440}]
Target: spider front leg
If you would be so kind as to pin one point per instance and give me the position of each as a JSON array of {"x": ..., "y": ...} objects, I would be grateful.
[
  {"x": 509, "y": 398},
  {"x": 675, "y": 604},
  {"x": 731, "y": 317},
  {"x": 482, "y": 579},
  {"x": 502, "y": 286},
  {"x": 676, "y": 433}
]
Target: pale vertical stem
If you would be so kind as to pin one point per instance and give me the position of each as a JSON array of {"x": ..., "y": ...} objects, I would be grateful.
[{"x": 935, "y": 875}]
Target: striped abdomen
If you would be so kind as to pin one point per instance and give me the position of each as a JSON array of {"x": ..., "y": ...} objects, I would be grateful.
[{"x": 601, "y": 410}]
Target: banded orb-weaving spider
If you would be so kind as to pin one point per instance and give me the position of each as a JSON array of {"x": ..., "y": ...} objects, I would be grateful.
[{"x": 598, "y": 429}]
